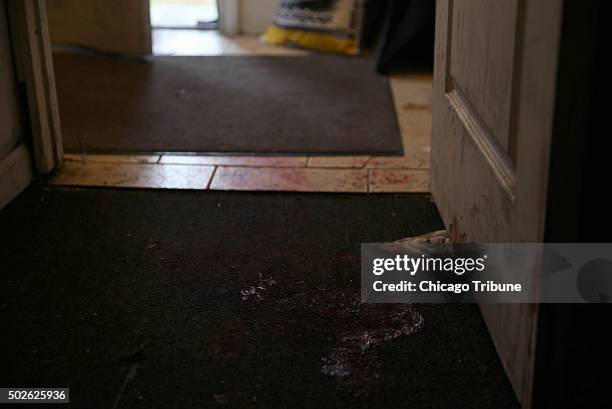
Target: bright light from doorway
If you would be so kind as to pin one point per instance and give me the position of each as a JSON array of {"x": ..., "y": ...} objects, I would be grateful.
[{"x": 194, "y": 14}]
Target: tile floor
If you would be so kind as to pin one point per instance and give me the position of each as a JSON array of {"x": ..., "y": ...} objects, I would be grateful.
[
  {"x": 210, "y": 43},
  {"x": 410, "y": 173}
]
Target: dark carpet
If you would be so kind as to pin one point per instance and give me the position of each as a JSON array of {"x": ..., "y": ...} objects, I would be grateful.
[
  {"x": 196, "y": 299},
  {"x": 314, "y": 104}
]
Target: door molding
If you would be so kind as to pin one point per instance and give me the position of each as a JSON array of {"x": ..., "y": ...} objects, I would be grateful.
[
  {"x": 483, "y": 138},
  {"x": 229, "y": 17},
  {"x": 34, "y": 67},
  {"x": 15, "y": 174}
]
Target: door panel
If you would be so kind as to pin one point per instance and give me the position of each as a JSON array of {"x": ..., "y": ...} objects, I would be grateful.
[
  {"x": 10, "y": 121},
  {"x": 15, "y": 163},
  {"x": 493, "y": 107},
  {"x": 481, "y": 33},
  {"x": 119, "y": 26}
]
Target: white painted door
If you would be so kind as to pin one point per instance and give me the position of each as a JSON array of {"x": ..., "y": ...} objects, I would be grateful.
[
  {"x": 26, "y": 64},
  {"x": 493, "y": 106},
  {"x": 15, "y": 164},
  {"x": 34, "y": 71}
]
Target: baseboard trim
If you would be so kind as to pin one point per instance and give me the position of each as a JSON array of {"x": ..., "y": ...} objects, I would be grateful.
[{"x": 15, "y": 174}]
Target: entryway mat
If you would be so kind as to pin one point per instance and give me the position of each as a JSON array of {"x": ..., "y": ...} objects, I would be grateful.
[
  {"x": 244, "y": 104},
  {"x": 203, "y": 299}
]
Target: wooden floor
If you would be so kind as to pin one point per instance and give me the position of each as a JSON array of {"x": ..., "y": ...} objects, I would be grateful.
[{"x": 410, "y": 173}]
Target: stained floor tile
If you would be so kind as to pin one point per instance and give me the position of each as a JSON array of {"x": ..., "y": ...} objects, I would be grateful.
[
  {"x": 290, "y": 179},
  {"x": 412, "y": 100},
  {"x": 416, "y": 128},
  {"x": 115, "y": 158},
  {"x": 247, "y": 45},
  {"x": 213, "y": 43},
  {"x": 399, "y": 180},
  {"x": 133, "y": 175},
  {"x": 412, "y": 91},
  {"x": 257, "y": 161},
  {"x": 410, "y": 161},
  {"x": 355, "y": 162}
]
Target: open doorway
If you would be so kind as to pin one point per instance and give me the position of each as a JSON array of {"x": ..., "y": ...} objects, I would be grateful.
[
  {"x": 184, "y": 14},
  {"x": 184, "y": 27},
  {"x": 236, "y": 100}
]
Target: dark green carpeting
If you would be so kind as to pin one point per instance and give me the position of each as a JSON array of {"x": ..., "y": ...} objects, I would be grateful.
[
  {"x": 316, "y": 104},
  {"x": 195, "y": 299}
]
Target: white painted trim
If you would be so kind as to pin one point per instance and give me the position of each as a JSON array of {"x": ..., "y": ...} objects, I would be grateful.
[
  {"x": 146, "y": 39},
  {"x": 256, "y": 16},
  {"x": 32, "y": 47},
  {"x": 15, "y": 174},
  {"x": 229, "y": 17}
]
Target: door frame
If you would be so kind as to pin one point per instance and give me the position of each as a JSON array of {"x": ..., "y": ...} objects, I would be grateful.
[
  {"x": 229, "y": 17},
  {"x": 34, "y": 67}
]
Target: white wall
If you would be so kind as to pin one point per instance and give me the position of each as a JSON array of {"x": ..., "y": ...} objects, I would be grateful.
[
  {"x": 256, "y": 15},
  {"x": 246, "y": 17}
]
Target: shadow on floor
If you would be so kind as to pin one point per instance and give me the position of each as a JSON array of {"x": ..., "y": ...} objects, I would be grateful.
[{"x": 189, "y": 299}]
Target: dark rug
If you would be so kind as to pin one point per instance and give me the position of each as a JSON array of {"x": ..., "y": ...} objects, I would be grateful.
[
  {"x": 196, "y": 299},
  {"x": 314, "y": 104}
]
